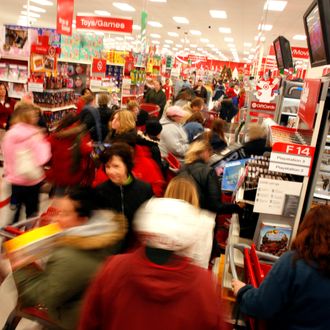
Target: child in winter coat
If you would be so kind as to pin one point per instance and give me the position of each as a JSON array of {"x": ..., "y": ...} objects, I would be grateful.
[{"x": 25, "y": 150}]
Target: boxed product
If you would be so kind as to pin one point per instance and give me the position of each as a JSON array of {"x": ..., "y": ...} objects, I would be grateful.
[
  {"x": 231, "y": 174},
  {"x": 274, "y": 238}
]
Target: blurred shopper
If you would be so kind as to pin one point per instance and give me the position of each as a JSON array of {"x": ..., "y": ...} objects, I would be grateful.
[
  {"x": 89, "y": 236},
  {"x": 227, "y": 109},
  {"x": 219, "y": 91},
  {"x": 194, "y": 126},
  {"x": 241, "y": 98},
  {"x": 173, "y": 137},
  {"x": 25, "y": 151},
  {"x": 201, "y": 91},
  {"x": 216, "y": 136},
  {"x": 122, "y": 192},
  {"x": 255, "y": 140},
  {"x": 81, "y": 102},
  {"x": 196, "y": 105},
  {"x": 295, "y": 295},
  {"x": 105, "y": 113},
  {"x": 184, "y": 188},
  {"x": 6, "y": 106},
  {"x": 71, "y": 147},
  {"x": 155, "y": 287},
  {"x": 156, "y": 96},
  {"x": 133, "y": 106},
  {"x": 168, "y": 89}
]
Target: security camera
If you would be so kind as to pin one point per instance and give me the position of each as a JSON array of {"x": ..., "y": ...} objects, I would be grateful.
[
  {"x": 210, "y": 27},
  {"x": 178, "y": 27}
]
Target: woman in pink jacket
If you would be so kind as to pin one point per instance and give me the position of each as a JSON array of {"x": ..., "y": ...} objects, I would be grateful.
[{"x": 25, "y": 150}]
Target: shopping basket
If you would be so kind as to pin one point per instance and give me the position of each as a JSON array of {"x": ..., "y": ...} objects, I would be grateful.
[
  {"x": 152, "y": 109},
  {"x": 254, "y": 271},
  {"x": 34, "y": 313}
]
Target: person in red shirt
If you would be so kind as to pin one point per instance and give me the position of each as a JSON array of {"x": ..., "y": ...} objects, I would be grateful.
[
  {"x": 155, "y": 287},
  {"x": 81, "y": 102},
  {"x": 168, "y": 89},
  {"x": 6, "y": 106}
]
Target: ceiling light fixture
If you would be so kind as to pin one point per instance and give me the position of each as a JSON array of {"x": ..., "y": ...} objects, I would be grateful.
[
  {"x": 35, "y": 9},
  {"x": 256, "y": 38},
  {"x": 180, "y": 20},
  {"x": 265, "y": 27},
  {"x": 204, "y": 40},
  {"x": 193, "y": 45},
  {"x": 123, "y": 6},
  {"x": 43, "y": 2},
  {"x": 155, "y": 24},
  {"x": 173, "y": 34},
  {"x": 218, "y": 14},
  {"x": 155, "y": 35},
  {"x": 231, "y": 45},
  {"x": 247, "y": 44},
  {"x": 195, "y": 32},
  {"x": 224, "y": 30},
  {"x": 23, "y": 19},
  {"x": 168, "y": 41},
  {"x": 178, "y": 46},
  {"x": 30, "y": 14},
  {"x": 102, "y": 13},
  {"x": 275, "y": 5},
  {"x": 229, "y": 39},
  {"x": 300, "y": 37},
  {"x": 210, "y": 45},
  {"x": 166, "y": 46}
]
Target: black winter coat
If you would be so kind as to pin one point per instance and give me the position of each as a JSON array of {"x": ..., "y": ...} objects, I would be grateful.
[
  {"x": 208, "y": 186},
  {"x": 124, "y": 199},
  {"x": 255, "y": 147}
]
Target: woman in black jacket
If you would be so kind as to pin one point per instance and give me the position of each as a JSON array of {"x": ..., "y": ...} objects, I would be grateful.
[{"x": 122, "y": 192}]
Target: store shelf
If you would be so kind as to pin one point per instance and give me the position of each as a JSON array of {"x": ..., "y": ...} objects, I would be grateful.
[
  {"x": 115, "y": 64},
  {"x": 15, "y": 81},
  {"x": 58, "y": 90},
  {"x": 65, "y": 107},
  {"x": 16, "y": 95},
  {"x": 14, "y": 58},
  {"x": 321, "y": 196},
  {"x": 74, "y": 61}
]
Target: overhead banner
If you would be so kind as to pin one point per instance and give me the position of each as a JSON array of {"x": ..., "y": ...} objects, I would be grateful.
[
  {"x": 64, "y": 17},
  {"x": 144, "y": 18},
  {"x": 104, "y": 24}
]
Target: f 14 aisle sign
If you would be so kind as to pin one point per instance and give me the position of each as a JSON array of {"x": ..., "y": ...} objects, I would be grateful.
[{"x": 291, "y": 158}]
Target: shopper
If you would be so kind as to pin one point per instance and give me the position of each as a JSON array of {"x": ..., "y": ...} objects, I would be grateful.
[
  {"x": 133, "y": 106},
  {"x": 105, "y": 113},
  {"x": 201, "y": 91},
  {"x": 89, "y": 236},
  {"x": 241, "y": 98},
  {"x": 71, "y": 147},
  {"x": 173, "y": 137},
  {"x": 81, "y": 102},
  {"x": 155, "y": 287},
  {"x": 168, "y": 89},
  {"x": 216, "y": 136},
  {"x": 122, "y": 192},
  {"x": 25, "y": 151},
  {"x": 156, "y": 96},
  {"x": 227, "y": 109},
  {"x": 196, "y": 105},
  {"x": 255, "y": 141},
  {"x": 295, "y": 295},
  {"x": 194, "y": 126},
  {"x": 6, "y": 106},
  {"x": 184, "y": 188}
]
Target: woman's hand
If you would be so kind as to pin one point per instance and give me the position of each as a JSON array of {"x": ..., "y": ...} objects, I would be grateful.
[{"x": 236, "y": 286}]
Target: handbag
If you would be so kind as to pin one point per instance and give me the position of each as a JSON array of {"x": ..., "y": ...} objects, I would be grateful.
[{"x": 26, "y": 166}]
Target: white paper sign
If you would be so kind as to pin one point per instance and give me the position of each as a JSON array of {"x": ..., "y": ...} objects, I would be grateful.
[{"x": 277, "y": 197}]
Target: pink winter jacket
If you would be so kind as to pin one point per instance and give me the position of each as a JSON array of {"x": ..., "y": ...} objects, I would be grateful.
[{"x": 24, "y": 136}]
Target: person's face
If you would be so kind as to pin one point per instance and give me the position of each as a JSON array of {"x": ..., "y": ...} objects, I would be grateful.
[
  {"x": 67, "y": 215},
  {"x": 200, "y": 83},
  {"x": 2, "y": 91},
  {"x": 87, "y": 91},
  {"x": 116, "y": 170},
  {"x": 196, "y": 108},
  {"x": 157, "y": 86},
  {"x": 115, "y": 124}
]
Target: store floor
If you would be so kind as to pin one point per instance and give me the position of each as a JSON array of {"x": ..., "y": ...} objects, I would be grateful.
[{"x": 8, "y": 293}]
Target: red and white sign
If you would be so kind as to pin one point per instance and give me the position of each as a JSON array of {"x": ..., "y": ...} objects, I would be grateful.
[
  {"x": 308, "y": 101},
  {"x": 195, "y": 58},
  {"x": 104, "y": 23},
  {"x": 291, "y": 158},
  {"x": 263, "y": 106},
  {"x": 64, "y": 17},
  {"x": 297, "y": 52},
  {"x": 99, "y": 65},
  {"x": 261, "y": 115}
]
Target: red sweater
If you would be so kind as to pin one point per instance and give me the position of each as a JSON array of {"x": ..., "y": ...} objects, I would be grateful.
[
  {"x": 6, "y": 110},
  {"x": 130, "y": 292}
]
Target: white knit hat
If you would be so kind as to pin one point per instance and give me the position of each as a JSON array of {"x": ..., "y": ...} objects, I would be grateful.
[{"x": 166, "y": 223}]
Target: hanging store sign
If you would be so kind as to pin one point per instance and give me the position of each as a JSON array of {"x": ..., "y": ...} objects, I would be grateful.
[
  {"x": 104, "y": 23},
  {"x": 291, "y": 158},
  {"x": 99, "y": 65},
  {"x": 64, "y": 17}
]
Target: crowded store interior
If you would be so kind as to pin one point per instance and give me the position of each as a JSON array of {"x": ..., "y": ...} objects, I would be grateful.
[{"x": 165, "y": 165}]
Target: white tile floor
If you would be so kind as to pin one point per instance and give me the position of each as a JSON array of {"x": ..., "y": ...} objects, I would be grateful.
[{"x": 8, "y": 293}]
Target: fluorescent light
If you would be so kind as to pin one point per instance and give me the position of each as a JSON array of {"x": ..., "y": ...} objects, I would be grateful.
[
  {"x": 229, "y": 39},
  {"x": 210, "y": 45},
  {"x": 155, "y": 24},
  {"x": 35, "y": 9},
  {"x": 31, "y": 14},
  {"x": 224, "y": 30},
  {"x": 173, "y": 34},
  {"x": 155, "y": 35},
  {"x": 155, "y": 42},
  {"x": 231, "y": 45},
  {"x": 195, "y": 32},
  {"x": 193, "y": 46},
  {"x": 168, "y": 41},
  {"x": 23, "y": 19},
  {"x": 166, "y": 46},
  {"x": 218, "y": 13},
  {"x": 275, "y": 5},
  {"x": 187, "y": 49},
  {"x": 178, "y": 46},
  {"x": 123, "y": 6},
  {"x": 102, "y": 13},
  {"x": 180, "y": 20},
  {"x": 162, "y": 1},
  {"x": 265, "y": 27},
  {"x": 43, "y": 2},
  {"x": 256, "y": 38},
  {"x": 247, "y": 44},
  {"x": 136, "y": 27},
  {"x": 299, "y": 37},
  {"x": 204, "y": 40}
]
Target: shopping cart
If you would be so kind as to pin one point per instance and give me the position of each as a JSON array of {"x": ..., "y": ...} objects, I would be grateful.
[
  {"x": 254, "y": 271},
  {"x": 33, "y": 313},
  {"x": 152, "y": 109}
]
